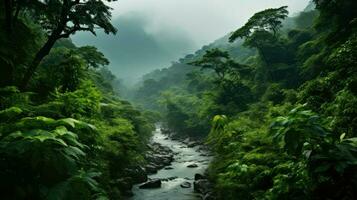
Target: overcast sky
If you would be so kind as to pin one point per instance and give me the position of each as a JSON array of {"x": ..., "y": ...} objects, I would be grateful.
[
  {"x": 202, "y": 20},
  {"x": 153, "y": 33}
]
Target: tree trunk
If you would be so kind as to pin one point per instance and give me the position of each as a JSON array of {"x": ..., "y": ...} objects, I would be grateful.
[
  {"x": 8, "y": 16},
  {"x": 44, "y": 51},
  {"x": 46, "y": 48},
  {"x": 6, "y": 75}
]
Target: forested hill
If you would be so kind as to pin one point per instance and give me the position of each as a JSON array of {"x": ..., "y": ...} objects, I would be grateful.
[
  {"x": 162, "y": 79},
  {"x": 183, "y": 77},
  {"x": 148, "y": 90},
  {"x": 277, "y": 104}
]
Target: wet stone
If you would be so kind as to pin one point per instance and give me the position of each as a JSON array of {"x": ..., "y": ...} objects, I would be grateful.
[
  {"x": 185, "y": 184},
  {"x": 151, "y": 184},
  {"x": 192, "y": 166}
]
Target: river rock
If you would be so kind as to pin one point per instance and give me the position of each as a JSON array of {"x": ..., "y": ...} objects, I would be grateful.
[
  {"x": 177, "y": 137},
  {"x": 137, "y": 174},
  {"x": 151, "y": 184},
  {"x": 203, "y": 148},
  {"x": 168, "y": 168},
  {"x": 151, "y": 169},
  {"x": 202, "y": 186},
  {"x": 199, "y": 176},
  {"x": 165, "y": 131},
  {"x": 192, "y": 144},
  {"x": 158, "y": 156},
  {"x": 185, "y": 184},
  {"x": 186, "y": 141},
  {"x": 169, "y": 179},
  {"x": 124, "y": 185},
  {"x": 172, "y": 178},
  {"x": 192, "y": 166}
]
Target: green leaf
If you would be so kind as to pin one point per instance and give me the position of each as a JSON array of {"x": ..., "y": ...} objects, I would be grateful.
[{"x": 10, "y": 113}]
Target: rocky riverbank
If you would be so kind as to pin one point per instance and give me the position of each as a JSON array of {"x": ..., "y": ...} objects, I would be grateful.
[
  {"x": 157, "y": 157},
  {"x": 204, "y": 187},
  {"x": 174, "y": 170}
]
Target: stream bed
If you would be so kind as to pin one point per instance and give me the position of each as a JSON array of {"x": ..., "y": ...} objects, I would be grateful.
[{"x": 183, "y": 156}]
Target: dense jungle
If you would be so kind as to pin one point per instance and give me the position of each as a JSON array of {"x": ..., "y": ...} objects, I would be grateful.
[{"x": 268, "y": 111}]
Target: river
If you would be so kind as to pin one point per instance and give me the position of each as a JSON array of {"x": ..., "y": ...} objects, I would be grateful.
[{"x": 184, "y": 156}]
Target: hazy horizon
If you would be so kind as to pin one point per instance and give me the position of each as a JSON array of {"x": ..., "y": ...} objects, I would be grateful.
[{"x": 153, "y": 33}]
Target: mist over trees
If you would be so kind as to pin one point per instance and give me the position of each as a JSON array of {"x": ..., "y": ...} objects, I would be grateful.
[{"x": 134, "y": 51}]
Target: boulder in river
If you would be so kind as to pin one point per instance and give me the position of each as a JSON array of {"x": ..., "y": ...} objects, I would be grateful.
[
  {"x": 193, "y": 144},
  {"x": 172, "y": 178},
  {"x": 192, "y": 166},
  {"x": 169, "y": 179},
  {"x": 151, "y": 184},
  {"x": 186, "y": 141},
  {"x": 151, "y": 169},
  {"x": 199, "y": 176},
  {"x": 185, "y": 184},
  {"x": 202, "y": 186},
  {"x": 168, "y": 168},
  {"x": 158, "y": 157}
]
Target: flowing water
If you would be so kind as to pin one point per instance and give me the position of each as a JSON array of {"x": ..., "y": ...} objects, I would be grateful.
[{"x": 184, "y": 156}]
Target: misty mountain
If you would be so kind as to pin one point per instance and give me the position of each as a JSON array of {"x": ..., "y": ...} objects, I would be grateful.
[{"x": 134, "y": 51}]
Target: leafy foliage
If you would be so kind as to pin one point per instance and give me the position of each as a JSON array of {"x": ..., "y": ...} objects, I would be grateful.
[
  {"x": 282, "y": 118},
  {"x": 26, "y": 171},
  {"x": 69, "y": 136},
  {"x": 277, "y": 106},
  {"x": 266, "y": 20}
]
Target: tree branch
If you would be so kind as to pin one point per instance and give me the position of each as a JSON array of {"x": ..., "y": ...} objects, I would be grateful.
[{"x": 75, "y": 29}]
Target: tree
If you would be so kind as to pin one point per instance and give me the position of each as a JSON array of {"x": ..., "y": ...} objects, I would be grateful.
[
  {"x": 231, "y": 89},
  {"x": 221, "y": 63},
  {"x": 266, "y": 20},
  {"x": 337, "y": 18},
  {"x": 11, "y": 11},
  {"x": 92, "y": 56},
  {"x": 261, "y": 32},
  {"x": 215, "y": 60},
  {"x": 61, "y": 18}
]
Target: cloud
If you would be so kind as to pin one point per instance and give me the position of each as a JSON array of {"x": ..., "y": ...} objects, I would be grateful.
[
  {"x": 203, "y": 20},
  {"x": 134, "y": 51},
  {"x": 152, "y": 33}
]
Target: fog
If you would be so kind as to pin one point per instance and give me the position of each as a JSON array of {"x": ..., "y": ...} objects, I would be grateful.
[{"x": 152, "y": 33}]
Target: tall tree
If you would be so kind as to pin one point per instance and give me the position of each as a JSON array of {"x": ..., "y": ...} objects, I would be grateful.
[
  {"x": 215, "y": 60},
  {"x": 267, "y": 20},
  {"x": 222, "y": 64},
  {"x": 262, "y": 32},
  {"x": 61, "y": 18}
]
